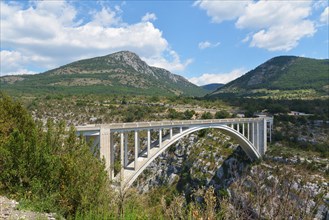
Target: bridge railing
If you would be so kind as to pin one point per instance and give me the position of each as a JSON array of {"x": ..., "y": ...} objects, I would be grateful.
[{"x": 133, "y": 125}]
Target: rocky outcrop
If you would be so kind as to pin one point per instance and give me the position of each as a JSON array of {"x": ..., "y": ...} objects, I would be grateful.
[{"x": 9, "y": 210}]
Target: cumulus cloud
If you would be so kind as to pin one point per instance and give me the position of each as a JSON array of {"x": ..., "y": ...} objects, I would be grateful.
[
  {"x": 206, "y": 44},
  {"x": 274, "y": 25},
  {"x": 173, "y": 64},
  {"x": 324, "y": 17},
  {"x": 222, "y": 10},
  {"x": 283, "y": 37},
  {"x": 48, "y": 34},
  {"x": 208, "y": 78},
  {"x": 106, "y": 18},
  {"x": 12, "y": 63},
  {"x": 149, "y": 17}
]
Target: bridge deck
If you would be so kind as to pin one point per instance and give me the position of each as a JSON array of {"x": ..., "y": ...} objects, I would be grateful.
[{"x": 162, "y": 124}]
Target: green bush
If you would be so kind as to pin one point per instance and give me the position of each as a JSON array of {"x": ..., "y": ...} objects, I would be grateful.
[
  {"x": 206, "y": 115},
  {"x": 51, "y": 170},
  {"x": 222, "y": 114}
]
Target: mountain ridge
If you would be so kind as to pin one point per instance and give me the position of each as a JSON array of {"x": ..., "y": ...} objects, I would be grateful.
[
  {"x": 212, "y": 86},
  {"x": 282, "y": 73},
  {"x": 122, "y": 72}
]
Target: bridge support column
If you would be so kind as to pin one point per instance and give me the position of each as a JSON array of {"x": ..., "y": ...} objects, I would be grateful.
[
  {"x": 170, "y": 133},
  {"x": 248, "y": 131},
  {"x": 125, "y": 150},
  {"x": 136, "y": 149},
  {"x": 148, "y": 142},
  {"x": 105, "y": 147},
  {"x": 238, "y": 128},
  {"x": 243, "y": 129},
  {"x": 111, "y": 173},
  {"x": 232, "y": 126},
  {"x": 253, "y": 134},
  {"x": 180, "y": 129},
  {"x": 257, "y": 136},
  {"x": 160, "y": 137},
  {"x": 122, "y": 156}
]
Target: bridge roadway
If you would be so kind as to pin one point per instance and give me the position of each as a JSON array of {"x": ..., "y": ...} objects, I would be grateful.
[{"x": 250, "y": 133}]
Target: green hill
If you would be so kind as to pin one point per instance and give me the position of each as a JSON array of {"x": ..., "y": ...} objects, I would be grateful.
[
  {"x": 212, "y": 87},
  {"x": 119, "y": 73},
  {"x": 281, "y": 77}
]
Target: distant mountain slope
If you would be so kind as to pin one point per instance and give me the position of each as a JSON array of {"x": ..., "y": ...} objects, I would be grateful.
[
  {"x": 212, "y": 87},
  {"x": 120, "y": 73},
  {"x": 279, "y": 74}
]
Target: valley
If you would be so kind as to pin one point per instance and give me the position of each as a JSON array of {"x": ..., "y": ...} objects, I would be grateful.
[{"x": 205, "y": 175}]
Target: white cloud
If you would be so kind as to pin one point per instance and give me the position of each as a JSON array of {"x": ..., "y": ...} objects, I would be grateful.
[
  {"x": 206, "y": 44},
  {"x": 47, "y": 34},
  {"x": 12, "y": 63},
  {"x": 208, "y": 78},
  {"x": 172, "y": 64},
  {"x": 324, "y": 17},
  {"x": 222, "y": 10},
  {"x": 274, "y": 25},
  {"x": 106, "y": 18},
  {"x": 283, "y": 37},
  {"x": 149, "y": 17},
  {"x": 266, "y": 14}
]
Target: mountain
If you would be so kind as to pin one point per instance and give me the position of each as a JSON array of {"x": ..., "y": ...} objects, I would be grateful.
[
  {"x": 119, "y": 73},
  {"x": 212, "y": 87},
  {"x": 281, "y": 77}
]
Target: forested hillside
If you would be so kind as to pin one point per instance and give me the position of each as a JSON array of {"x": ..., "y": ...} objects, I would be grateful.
[{"x": 282, "y": 77}]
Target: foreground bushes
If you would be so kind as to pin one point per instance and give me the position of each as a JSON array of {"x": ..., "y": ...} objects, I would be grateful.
[{"x": 48, "y": 167}]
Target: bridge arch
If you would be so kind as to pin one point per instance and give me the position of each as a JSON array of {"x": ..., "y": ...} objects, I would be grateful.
[
  {"x": 250, "y": 133},
  {"x": 246, "y": 145}
]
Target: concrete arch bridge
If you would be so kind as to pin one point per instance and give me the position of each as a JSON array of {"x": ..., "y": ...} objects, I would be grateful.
[{"x": 133, "y": 146}]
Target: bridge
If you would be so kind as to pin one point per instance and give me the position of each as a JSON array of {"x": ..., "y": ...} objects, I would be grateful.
[{"x": 128, "y": 148}]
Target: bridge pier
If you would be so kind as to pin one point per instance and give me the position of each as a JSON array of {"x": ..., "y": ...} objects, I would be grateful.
[
  {"x": 248, "y": 131},
  {"x": 125, "y": 151},
  {"x": 148, "y": 142},
  {"x": 136, "y": 149},
  {"x": 160, "y": 137},
  {"x": 122, "y": 155},
  {"x": 104, "y": 142}
]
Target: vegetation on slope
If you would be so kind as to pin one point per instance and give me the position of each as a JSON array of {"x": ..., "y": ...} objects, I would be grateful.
[
  {"x": 212, "y": 87},
  {"x": 50, "y": 170},
  {"x": 284, "y": 73},
  {"x": 119, "y": 73}
]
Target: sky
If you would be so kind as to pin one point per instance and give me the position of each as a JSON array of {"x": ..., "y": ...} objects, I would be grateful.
[{"x": 204, "y": 41}]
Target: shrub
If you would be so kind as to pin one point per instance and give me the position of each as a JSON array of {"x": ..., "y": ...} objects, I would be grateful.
[{"x": 51, "y": 170}]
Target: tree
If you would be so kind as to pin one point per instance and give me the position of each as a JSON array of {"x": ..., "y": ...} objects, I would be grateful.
[
  {"x": 188, "y": 114},
  {"x": 206, "y": 115},
  {"x": 222, "y": 114},
  {"x": 54, "y": 169}
]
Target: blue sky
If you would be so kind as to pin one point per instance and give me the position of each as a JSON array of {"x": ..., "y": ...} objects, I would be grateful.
[{"x": 204, "y": 41}]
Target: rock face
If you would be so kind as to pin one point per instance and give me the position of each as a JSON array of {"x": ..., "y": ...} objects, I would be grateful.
[
  {"x": 211, "y": 159},
  {"x": 194, "y": 162},
  {"x": 8, "y": 210}
]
